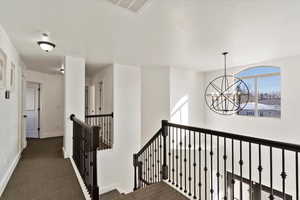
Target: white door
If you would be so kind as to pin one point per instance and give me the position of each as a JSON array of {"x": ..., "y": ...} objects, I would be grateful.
[
  {"x": 22, "y": 99},
  {"x": 32, "y": 110}
]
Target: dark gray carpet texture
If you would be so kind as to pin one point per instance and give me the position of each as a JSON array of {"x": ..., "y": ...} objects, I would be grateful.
[{"x": 43, "y": 174}]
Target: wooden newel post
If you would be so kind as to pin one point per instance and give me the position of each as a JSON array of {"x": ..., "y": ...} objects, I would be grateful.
[
  {"x": 165, "y": 135},
  {"x": 94, "y": 146},
  {"x": 135, "y": 165}
]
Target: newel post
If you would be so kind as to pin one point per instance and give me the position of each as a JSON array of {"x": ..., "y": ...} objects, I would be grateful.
[
  {"x": 135, "y": 165},
  {"x": 165, "y": 135}
]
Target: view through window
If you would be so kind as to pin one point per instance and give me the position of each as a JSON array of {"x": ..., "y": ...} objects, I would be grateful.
[{"x": 264, "y": 90}]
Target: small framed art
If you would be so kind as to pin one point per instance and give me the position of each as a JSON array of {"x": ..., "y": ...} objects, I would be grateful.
[{"x": 3, "y": 60}]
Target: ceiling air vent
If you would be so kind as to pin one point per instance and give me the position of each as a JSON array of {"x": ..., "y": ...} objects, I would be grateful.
[{"x": 132, "y": 5}]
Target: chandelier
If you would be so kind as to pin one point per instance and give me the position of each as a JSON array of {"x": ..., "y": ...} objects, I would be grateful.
[{"x": 226, "y": 94}]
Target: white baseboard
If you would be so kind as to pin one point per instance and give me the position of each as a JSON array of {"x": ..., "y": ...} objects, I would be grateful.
[
  {"x": 80, "y": 180},
  {"x": 107, "y": 189},
  {"x": 8, "y": 174},
  {"x": 64, "y": 153},
  {"x": 51, "y": 134}
]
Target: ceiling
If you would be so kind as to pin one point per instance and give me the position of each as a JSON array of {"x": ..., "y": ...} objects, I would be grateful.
[{"x": 181, "y": 33}]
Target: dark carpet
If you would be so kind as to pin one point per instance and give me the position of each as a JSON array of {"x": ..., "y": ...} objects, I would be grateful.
[{"x": 43, "y": 174}]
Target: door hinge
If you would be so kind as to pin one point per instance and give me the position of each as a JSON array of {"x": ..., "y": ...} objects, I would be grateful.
[{"x": 38, "y": 129}]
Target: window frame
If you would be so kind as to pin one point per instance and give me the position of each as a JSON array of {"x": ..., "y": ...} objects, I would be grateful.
[{"x": 256, "y": 89}]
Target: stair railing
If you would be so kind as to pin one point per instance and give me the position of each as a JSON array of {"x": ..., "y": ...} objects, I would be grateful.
[
  {"x": 208, "y": 164},
  {"x": 105, "y": 122},
  {"x": 85, "y": 144}
]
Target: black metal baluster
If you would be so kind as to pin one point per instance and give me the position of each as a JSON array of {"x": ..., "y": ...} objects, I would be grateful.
[
  {"x": 225, "y": 170},
  {"x": 102, "y": 131},
  {"x": 241, "y": 162},
  {"x": 232, "y": 169},
  {"x": 154, "y": 161},
  {"x": 250, "y": 171},
  {"x": 190, "y": 169},
  {"x": 211, "y": 169},
  {"x": 169, "y": 136},
  {"x": 185, "y": 160},
  {"x": 145, "y": 165},
  {"x": 158, "y": 158},
  {"x": 199, "y": 166},
  {"x": 180, "y": 174},
  {"x": 106, "y": 132},
  {"x": 297, "y": 176},
  {"x": 283, "y": 174},
  {"x": 271, "y": 173},
  {"x": 259, "y": 168},
  {"x": 148, "y": 165},
  {"x": 218, "y": 167},
  {"x": 173, "y": 160},
  {"x": 194, "y": 165},
  {"x": 161, "y": 156},
  {"x": 176, "y": 132},
  {"x": 205, "y": 167}
]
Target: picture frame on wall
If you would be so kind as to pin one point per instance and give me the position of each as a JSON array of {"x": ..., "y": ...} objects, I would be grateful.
[
  {"x": 3, "y": 60},
  {"x": 12, "y": 77}
]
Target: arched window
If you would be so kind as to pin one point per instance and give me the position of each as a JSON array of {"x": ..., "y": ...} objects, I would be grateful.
[{"x": 265, "y": 91}]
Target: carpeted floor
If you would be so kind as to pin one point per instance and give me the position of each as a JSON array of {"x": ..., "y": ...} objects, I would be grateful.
[{"x": 43, "y": 174}]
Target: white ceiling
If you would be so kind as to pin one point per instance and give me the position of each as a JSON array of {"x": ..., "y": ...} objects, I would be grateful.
[{"x": 181, "y": 33}]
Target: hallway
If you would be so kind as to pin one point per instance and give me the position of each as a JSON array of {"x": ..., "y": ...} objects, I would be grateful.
[{"x": 43, "y": 174}]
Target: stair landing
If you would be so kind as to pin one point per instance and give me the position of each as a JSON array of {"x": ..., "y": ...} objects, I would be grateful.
[{"x": 158, "y": 191}]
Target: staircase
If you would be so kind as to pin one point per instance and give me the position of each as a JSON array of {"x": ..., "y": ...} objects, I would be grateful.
[
  {"x": 199, "y": 163},
  {"x": 213, "y": 165},
  {"x": 158, "y": 191}
]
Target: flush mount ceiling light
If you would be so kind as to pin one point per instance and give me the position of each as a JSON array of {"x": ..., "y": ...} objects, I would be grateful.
[{"x": 45, "y": 43}]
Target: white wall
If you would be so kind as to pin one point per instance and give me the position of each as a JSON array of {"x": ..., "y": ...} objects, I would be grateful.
[
  {"x": 52, "y": 102},
  {"x": 188, "y": 84},
  {"x": 74, "y": 97},
  {"x": 105, "y": 75},
  {"x": 284, "y": 129},
  {"x": 115, "y": 166},
  {"x": 10, "y": 118},
  {"x": 155, "y": 99}
]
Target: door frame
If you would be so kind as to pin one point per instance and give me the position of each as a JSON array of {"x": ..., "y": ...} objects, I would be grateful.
[{"x": 38, "y": 109}]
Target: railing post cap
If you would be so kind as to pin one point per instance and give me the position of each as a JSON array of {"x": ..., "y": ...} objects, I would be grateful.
[
  {"x": 164, "y": 121},
  {"x": 72, "y": 116}
]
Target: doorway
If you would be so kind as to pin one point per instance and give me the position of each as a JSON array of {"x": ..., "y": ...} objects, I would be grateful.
[{"x": 32, "y": 110}]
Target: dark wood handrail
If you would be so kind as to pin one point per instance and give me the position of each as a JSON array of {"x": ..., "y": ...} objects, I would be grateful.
[
  {"x": 100, "y": 115},
  {"x": 254, "y": 140},
  {"x": 73, "y": 118},
  {"x": 149, "y": 142}
]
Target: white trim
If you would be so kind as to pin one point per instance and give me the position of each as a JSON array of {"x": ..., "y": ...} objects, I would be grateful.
[
  {"x": 8, "y": 174},
  {"x": 64, "y": 153},
  {"x": 80, "y": 180},
  {"x": 55, "y": 133}
]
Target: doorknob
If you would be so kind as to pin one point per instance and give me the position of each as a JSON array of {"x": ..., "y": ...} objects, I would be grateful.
[{"x": 25, "y": 116}]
